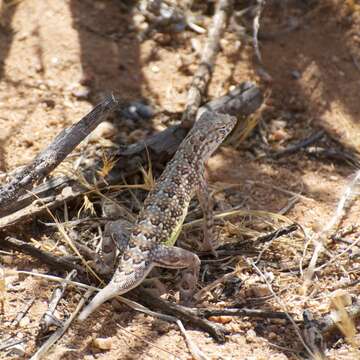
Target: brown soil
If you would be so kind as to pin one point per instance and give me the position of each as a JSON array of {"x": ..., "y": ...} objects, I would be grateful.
[{"x": 52, "y": 50}]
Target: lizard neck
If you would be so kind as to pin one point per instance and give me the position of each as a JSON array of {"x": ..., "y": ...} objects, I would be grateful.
[{"x": 197, "y": 148}]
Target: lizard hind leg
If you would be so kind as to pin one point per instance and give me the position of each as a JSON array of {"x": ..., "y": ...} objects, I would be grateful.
[{"x": 177, "y": 258}]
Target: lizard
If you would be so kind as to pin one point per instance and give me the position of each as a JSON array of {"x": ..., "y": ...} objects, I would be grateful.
[{"x": 159, "y": 222}]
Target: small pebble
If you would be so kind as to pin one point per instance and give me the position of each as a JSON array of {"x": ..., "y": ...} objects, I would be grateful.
[
  {"x": 278, "y": 135},
  {"x": 105, "y": 130},
  {"x": 50, "y": 103},
  {"x": 24, "y": 322},
  {"x": 140, "y": 109},
  {"x": 295, "y": 74},
  {"x": 82, "y": 92},
  {"x": 261, "y": 291},
  {"x": 67, "y": 191},
  {"x": 155, "y": 69},
  {"x": 103, "y": 343},
  {"x": 221, "y": 319},
  {"x": 55, "y": 60},
  {"x": 251, "y": 335},
  {"x": 272, "y": 336}
]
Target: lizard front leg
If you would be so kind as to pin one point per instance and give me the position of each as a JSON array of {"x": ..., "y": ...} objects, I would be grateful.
[
  {"x": 115, "y": 240},
  {"x": 203, "y": 195},
  {"x": 177, "y": 258}
]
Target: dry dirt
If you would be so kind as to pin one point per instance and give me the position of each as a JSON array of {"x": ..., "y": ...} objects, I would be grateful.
[{"x": 53, "y": 52}]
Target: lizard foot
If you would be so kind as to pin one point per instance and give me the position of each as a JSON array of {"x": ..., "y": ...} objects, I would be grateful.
[{"x": 187, "y": 288}]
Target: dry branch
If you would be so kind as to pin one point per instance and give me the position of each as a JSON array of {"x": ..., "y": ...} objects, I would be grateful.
[
  {"x": 57, "y": 262},
  {"x": 291, "y": 149},
  {"x": 49, "y": 319},
  {"x": 242, "y": 101},
  {"x": 60, "y": 331},
  {"x": 202, "y": 75},
  {"x": 55, "y": 153},
  {"x": 43, "y": 191},
  {"x": 186, "y": 314},
  {"x": 253, "y": 313},
  {"x": 22, "y": 312}
]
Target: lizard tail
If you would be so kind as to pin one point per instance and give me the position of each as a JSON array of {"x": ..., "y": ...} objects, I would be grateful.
[{"x": 120, "y": 283}]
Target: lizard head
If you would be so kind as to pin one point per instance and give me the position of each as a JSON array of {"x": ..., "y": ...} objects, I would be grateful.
[{"x": 209, "y": 131}]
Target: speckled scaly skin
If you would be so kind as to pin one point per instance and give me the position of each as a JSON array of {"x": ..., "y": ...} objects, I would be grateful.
[{"x": 159, "y": 223}]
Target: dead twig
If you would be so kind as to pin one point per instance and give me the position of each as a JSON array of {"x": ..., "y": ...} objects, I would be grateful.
[
  {"x": 45, "y": 257},
  {"x": 235, "y": 249},
  {"x": 45, "y": 191},
  {"x": 55, "y": 153},
  {"x": 280, "y": 302},
  {"x": 203, "y": 73},
  {"x": 286, "y": 230},
  {"x": 291, "y": 149},
  {"x": 61, "y": 330},
  {"x": 256, "y": 27},
  {"x": 49, "y": 319},
  {"x": 216, "y": 331},
  {"x": 22, "y": 312},
  {"x": 243, "y": 312},
  {"x": 319, "y": 239},
  {"x": 8, "y": 343},
  {"x": 333, "y": 154},
  {"x": 242, "y": 101}
]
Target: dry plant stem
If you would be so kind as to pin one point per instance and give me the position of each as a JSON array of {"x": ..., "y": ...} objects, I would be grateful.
[
  {"x": 30, "y": 212},
  {"x": 243, "y": 312},
  {"x": 326, "y": 324},
  {"x": 60, "y": 331},
  {"x": 256, "y": 27},
  {"x": 296, "y": 328},
  {"x": 198, "y": 296},
  {"x": 334, "y": 220},
  {"x": 203, "y": 73},
  {"x": 10, "y": 343},
  {"x": 232, "y": 250},
  {"x": 194, "y": 350},
  {"x": 196, "y": 353},
  {"x": 45, "y": 257},
  {"x": 348, "y": 248},
  {"x": 22, "y": 313},
  {"x": 48, "y": 319},
  {"x": 334, "y": 154},
  {"x": 55, "y": 153},
  {"x": 286, "y": 230},
  {"x": 291, "y": 149},
  {"x": 216, "y": 331},
  {"x": 44, "y": 191}
]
